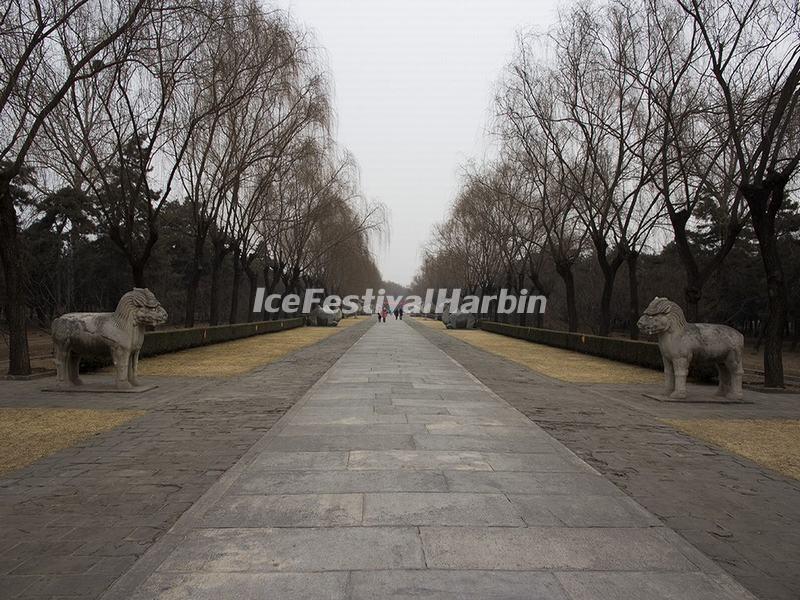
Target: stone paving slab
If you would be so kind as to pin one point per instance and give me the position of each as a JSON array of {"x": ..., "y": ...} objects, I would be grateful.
[
  {"x": 340, "y": 482},
  {"x": 296, "y": 510},
  {"x": 296, "y": 550},
  {"x": 553, "y": 548},
  {"x": 449, "y": 509},
  {"x": 473, "y": 500},
  {"x": 448, "y": 585},
  {"x": 244, "y": 586}
]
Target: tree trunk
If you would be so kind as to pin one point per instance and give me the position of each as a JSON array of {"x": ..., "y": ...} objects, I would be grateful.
[
  {"x": 233, "y": 316},
  {"x": 564, "y": 270},
  {"x": 605, "y": 303},
  {"x": 765, "y": 204},
  {"x": 191, "y": 297},
  {"x": 692, "y": 295},
  {"x": 632, "y": 259},
  {"x": 252, "y": 278},
  {"x": 216, "y": 272},
  {"x": 270, "y": 283},
  {"x": 137, "y": 270},
  {"x": 609, "y": 270},
  {"x": 19, "y": 362},
  {"x": 540, "y": 290},
  {"x": 194, "y": 283}
]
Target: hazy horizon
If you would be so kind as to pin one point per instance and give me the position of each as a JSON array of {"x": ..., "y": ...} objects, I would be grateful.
[{"x": 413, "y": 90}]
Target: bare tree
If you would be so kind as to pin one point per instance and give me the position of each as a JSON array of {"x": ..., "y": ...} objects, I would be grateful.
[
  {"x": 535, "y": 135},
  {"x": 45, "y": 48},
  {"x": 752, "y": 55},
  {"x": 134, "y": 142}
]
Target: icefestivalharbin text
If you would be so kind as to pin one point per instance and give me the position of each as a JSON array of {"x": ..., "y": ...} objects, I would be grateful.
[{"x": 507, "y": 303}]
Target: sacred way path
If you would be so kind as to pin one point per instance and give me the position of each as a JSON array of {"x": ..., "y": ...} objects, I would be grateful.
[{"x": 399, "y": 475}]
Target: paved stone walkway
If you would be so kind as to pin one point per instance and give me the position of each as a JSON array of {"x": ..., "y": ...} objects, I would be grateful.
[
  {"x": 73, "y": 522},
  {"x": 741, "y": 514},
  {"x": 399, "y": 475}
]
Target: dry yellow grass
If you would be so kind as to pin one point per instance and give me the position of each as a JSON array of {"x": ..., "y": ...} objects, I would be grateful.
[
  {"x": 430, "y": 323},
  {"x": 774, "y": 444},
  {"x": 239, "y": 356},
  {"x": 564, "y": 365},
  {"x": 28, "y": 434}
]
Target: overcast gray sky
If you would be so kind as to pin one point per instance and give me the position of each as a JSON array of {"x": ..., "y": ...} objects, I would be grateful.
[{"x": 414, "y": 82}]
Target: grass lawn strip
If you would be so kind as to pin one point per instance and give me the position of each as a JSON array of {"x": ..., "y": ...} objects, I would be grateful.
[
  {"x": 772, "y": 443},
  {"x": 28, "y": 434},
  {"x": 564, "y": 365}
]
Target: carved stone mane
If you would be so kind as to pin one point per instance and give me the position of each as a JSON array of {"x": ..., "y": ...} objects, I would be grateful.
[
  {"x": 125, "y": 313},
  {"x": 670, "y": 309},
  {"x": 120, "y": 332}
]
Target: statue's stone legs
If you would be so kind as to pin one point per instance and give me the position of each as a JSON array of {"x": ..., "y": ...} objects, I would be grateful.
[
  {"x": 74, "y": 363},
  {"x": 681, "y": 368},
  {"x": 724, "y": 375},
  {"x": 669, "y": 377},
  {"x": 121, "y": 368},
  {"x": 133, "y": 366},
  {"x": 735, "y": 372},
  {"x": 61, "y": 367}
]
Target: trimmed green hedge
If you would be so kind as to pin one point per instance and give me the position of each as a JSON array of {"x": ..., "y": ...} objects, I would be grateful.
[
  {"x": 645, "y": 354},
  {"x": 172, "y": 340},
  {"x": 634, "y": 352}
]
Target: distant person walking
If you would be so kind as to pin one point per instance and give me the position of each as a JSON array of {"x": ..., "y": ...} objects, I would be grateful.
[
  {"x": 396, "y": 313},
  {"x": 401, "y": 312}
]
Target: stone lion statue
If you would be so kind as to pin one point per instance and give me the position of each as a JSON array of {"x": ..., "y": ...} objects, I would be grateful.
[
  {"x": 460, "y": 320},
  {"x": 93, "y": 334},
  {"x": 324, "y": 317},
  {"x": 680, "y": 343}
]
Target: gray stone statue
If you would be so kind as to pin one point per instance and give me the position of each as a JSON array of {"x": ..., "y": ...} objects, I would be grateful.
[
  {"x": 323, "y": 316},
  {"x": 680, "y": 343},
  {"x": 93, "y": 334},
  {"x": 460, "y": 320}
]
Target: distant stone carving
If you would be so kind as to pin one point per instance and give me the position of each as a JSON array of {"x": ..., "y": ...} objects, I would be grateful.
[
  {"x": 323, "y": 316},
  {"x": 461, "y": 320},
  {"x": 445, "y": 316},
  {"x": 680, "y": 343},
  {"x": 95, "y": 334}
]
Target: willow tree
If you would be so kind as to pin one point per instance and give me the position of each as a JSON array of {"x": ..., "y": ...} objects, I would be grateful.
[{"x": 46, "y": 46}]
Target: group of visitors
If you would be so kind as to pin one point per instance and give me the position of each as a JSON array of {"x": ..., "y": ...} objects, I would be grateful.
[{"x": 383, "y": 312}]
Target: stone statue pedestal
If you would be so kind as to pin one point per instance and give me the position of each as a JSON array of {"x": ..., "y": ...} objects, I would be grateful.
[
  {"x": 708, "y": 398},
  {"x": 99, "y": 388}
]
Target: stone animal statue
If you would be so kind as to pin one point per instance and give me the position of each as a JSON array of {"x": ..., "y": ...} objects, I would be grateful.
[
  {"x": 93, "y": 334},
  {"x": 461, "y": 320},
  {"x": 324, "y": 317},
  {"x": 680, "y": 343},
  {"x": 445, "y": 316}
]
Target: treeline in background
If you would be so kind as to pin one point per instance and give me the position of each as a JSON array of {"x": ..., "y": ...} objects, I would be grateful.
[
  {"x": 187, "y": 147},
  {"x": 644, "y": 147}
]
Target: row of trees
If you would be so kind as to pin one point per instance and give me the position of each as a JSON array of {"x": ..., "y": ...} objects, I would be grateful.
[
  {"x": 188, "y": 144},
  {"x": 632, "y": 127}
]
